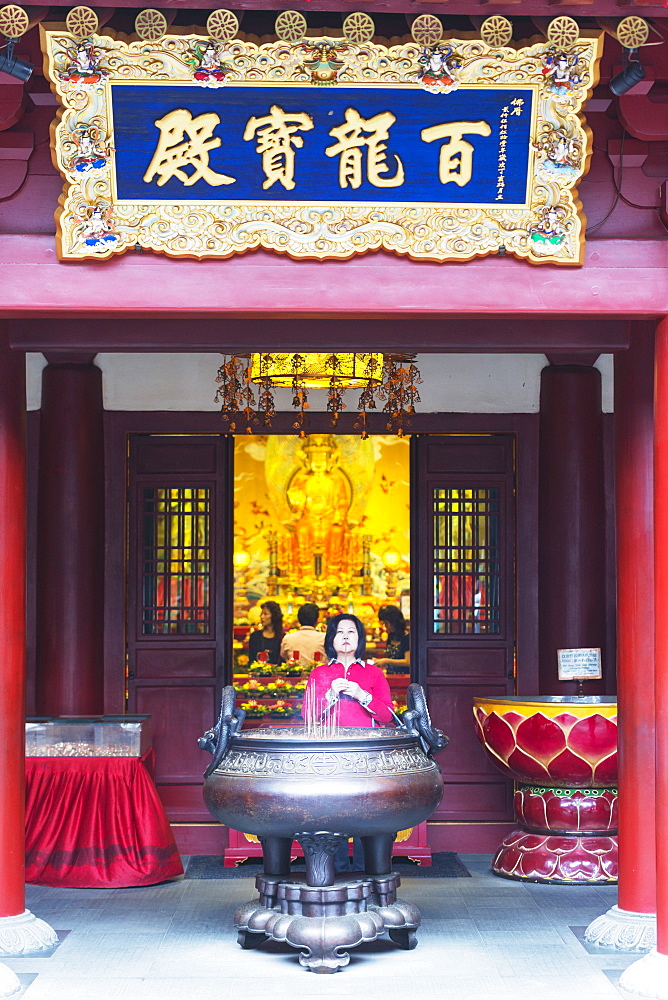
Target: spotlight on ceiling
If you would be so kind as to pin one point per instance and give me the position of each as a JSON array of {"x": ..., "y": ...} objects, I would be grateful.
[
  {"x": 631, "y": 73},
  {"x": 13, "y": 65}
]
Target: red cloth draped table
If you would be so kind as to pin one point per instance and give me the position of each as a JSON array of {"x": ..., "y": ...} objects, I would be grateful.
[{"x": 96, "y": 822}]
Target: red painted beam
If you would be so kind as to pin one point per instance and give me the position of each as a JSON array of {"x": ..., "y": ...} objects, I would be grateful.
[
  {"x": 581, "y": 340},
  {"x": 12, "y": 101},
  {"x": 619, "y": 279},
  {"x": 643, "y": 117},
  {"x": 16, "y": 148}
]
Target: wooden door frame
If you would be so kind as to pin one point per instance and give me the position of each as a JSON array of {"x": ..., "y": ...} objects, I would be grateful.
[
  {"x": 422, "y": 549},
  {"x": 220, "y": 631},
  {"x": 120, "y": 424}
]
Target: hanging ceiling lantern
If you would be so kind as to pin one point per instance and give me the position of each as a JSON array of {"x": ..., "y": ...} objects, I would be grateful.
[
  {"x": 391, "y": 378},
  {"x": 315, "y": 371}
]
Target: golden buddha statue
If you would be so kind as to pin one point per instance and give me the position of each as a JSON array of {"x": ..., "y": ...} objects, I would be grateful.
[{"x": 319, "y": 497}]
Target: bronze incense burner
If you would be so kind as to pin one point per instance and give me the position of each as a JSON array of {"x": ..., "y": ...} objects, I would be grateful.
[{"x": 284, "y": 785}]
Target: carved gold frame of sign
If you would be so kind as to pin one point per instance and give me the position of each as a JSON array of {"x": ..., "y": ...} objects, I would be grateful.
[{"x": 91, "y": 224}]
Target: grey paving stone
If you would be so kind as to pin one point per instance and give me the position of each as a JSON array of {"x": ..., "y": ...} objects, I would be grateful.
[{"x": 482, "y": 938}]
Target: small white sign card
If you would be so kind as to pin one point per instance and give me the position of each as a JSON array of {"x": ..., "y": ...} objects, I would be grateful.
[{"x": 579, "y": 664}]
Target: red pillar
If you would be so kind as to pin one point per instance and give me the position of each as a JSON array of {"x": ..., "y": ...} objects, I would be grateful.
[
  {"x": 70, "y": 531},
  {"x": 634, "y": 452},
  {"x": 571, "y": 520},
  {"x": 12, "y": 628},
  {"x": 661, "y": 629},
  {"x": 649, "y": 976}
]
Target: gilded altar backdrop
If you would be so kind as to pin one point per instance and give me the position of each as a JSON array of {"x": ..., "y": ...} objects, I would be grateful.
[{"x": 319, "y": 518}]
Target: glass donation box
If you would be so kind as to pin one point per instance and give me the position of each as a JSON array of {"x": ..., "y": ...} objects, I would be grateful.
[
  {"x": 88, "y": 736},
  {"x": 94, "y": 819}
]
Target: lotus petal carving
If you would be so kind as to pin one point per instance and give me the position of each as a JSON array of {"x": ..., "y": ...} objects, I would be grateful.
[
  {"x": 540, "y": 737},
  {"x": 571, "y": 860},
  {"x": 564, "y": 749}
]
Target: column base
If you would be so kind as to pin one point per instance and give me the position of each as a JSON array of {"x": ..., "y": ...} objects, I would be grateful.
[
  {"x": 623, "y": 930},
  {"x": 648, "y": 977},
  {"x": 9, "y": 983},
  {"x": 559, "y": 858},
  {"x": 25, "y": 933}
]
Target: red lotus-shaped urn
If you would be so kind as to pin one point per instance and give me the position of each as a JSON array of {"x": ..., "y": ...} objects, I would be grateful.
[
  {"x": 563, "y": 752},
  {"x": 560, "y": 742}
]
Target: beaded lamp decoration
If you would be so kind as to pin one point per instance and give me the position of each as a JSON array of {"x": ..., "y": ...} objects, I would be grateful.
[{"x": 390, "y": 378}]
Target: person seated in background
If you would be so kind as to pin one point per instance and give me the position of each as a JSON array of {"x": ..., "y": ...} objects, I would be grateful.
[
  {"x": 397, "y": 659},
  {"x": 305, "y": 641},
  {"x": 267, "y": 639}
]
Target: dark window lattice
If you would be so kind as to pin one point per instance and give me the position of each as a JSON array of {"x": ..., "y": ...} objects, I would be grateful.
[
  {"x": 176, "y": 561},
  {"x": 466, "y": 561}
]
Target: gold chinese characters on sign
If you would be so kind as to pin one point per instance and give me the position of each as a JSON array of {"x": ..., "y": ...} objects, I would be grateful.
[{"x": 211, "y": 146}]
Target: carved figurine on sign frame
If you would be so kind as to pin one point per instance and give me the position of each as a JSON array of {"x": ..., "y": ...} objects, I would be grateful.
[
  {"x": 438, "y": 152},
  {"x": 438, "y": 70},
  {"x": 82, "y": 69}
]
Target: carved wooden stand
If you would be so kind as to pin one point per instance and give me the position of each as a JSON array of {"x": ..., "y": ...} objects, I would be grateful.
[
  {"x": 321, "y": 913},
  {"x": 354, "y": 911}
]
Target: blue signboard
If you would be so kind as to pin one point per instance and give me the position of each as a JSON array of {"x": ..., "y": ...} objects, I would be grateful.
[
  {"x": 321, "y": 145},
  {"x": 321, "y": 148}
]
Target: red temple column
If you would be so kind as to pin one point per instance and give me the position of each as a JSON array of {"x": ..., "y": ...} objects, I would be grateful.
[
  {"x": 20, "y": 931},
  {"x": 70, "y": 531},
  {"x": 649, "y": 976},
  {"x": 631, "y": 925},
  {"x": 571, "y": 519}
]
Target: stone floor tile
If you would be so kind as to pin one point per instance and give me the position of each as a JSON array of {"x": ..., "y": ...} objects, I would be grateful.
[
  {"x": 482, "y": 938},
  {"x": 83, "y": 988},
  {"x": 183, "y": 988}
]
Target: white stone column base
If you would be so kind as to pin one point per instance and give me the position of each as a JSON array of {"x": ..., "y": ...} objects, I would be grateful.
[
  {"x": 25, "y": 933},
  {"x": 623, "y": 930},
  {"x": 9, "y": 983},
  {"x": 648, "y": 977}
]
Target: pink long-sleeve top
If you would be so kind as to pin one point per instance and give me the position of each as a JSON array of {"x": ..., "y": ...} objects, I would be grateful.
[{"x": 351, "y": 713}]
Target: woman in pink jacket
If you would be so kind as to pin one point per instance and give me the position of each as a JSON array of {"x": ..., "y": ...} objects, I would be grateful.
[{"x": 347, "y": 689}]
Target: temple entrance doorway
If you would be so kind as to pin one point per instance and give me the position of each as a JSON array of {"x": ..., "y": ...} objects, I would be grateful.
[
  {"x": 219, "y": 525},
  {"x": 320, "y": 522}
]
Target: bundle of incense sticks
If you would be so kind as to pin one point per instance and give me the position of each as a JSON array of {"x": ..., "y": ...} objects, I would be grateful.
[{"x": 321, "y": 717}]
